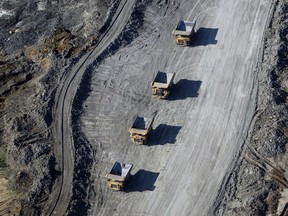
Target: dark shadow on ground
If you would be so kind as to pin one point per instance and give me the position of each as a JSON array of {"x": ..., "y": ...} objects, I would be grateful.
[
  {"x": 142, "y": 181},
  {"x": 185, "y": 88},
  {"x": 204, "y": 36},
  {"x": 163, "y": 134}
]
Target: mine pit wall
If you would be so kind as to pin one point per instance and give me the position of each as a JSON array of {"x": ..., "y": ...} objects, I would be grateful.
[
  {"x": 258, "y": 185},
  {"x": 30, "y": 69}
]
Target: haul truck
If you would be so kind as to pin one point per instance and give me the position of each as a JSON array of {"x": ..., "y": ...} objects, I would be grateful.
[
  {"x": 162, "y": 84},
  {"x": 183, "y": 32},
  {"x": 118, "y": 175},
  {"x": 140, "y": 129}
]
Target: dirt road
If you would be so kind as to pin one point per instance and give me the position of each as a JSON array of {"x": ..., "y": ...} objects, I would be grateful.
[
  {"x": 199, "y": 132},
  {"x": 61, "y": 196}
]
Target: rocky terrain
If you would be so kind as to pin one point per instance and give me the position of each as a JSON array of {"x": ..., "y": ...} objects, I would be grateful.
[
  {"x": 37, "y": 40},
  {"x": 40, "y": 41},
  {"x": 258, "y": 184}
]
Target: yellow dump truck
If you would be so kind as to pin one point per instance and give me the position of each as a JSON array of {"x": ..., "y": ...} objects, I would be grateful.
[
  {"x": 162, "y": 84},
  {"x": 183, "y": 32},
  {"x": 118, "y": 175},
  {"x": 141, "y": 129}
]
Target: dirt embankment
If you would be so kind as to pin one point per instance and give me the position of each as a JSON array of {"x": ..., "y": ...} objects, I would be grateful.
[
  {"x": 259, "y": 183},
  {"x": 37, "y": 40},
  {"x": 83, "y": 184}
]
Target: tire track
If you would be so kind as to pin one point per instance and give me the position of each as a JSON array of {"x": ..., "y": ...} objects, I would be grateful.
[{"x": 62, "y": 112}]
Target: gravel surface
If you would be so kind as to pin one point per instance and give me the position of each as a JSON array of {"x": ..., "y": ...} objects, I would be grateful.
[
  {"x": 199, "y": 131},
  {"x": 258, "y": 184},
  {"x": 74, "y": 75},
  {"x": 37, "y": 40}
]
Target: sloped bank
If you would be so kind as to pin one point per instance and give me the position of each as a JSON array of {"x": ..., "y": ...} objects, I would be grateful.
[
  {"x": 36, "y": 40},
  {"x": 84, "y": 152},
  {"x": 258, "y": 185}
]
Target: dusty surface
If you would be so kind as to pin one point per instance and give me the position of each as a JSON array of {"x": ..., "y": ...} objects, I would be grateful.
[
  {"x": 258, "y": 184},
  {"x": 37, "y": 39},
  {"x": 71, "y": 180},
  {"x": 71, "y": 89},
  {"x": 199, "y": 131},
  {"x": 9, "y": 200}
]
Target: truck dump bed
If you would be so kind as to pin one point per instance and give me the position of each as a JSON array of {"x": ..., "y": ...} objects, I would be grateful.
[
  {"x": 163, "y": 80},
  {"x": 184, "y": 28},
  {"x": 119, "y": 171},
  {"x": 141, "y": 125}
]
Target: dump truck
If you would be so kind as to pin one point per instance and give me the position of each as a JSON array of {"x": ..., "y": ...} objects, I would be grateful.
[
  {"x": 141, "y": 129},
  {"x": 118, "y": 175},
  {"x": 162, "y": 84},
  {"x": 183, "y": 32}
]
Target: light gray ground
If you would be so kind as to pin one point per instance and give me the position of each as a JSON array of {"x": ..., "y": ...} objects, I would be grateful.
[
  {"x": 59, "y": 199},
  {"x": 199, "y": 131}
]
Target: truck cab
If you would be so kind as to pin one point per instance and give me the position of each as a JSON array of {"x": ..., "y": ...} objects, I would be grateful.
[
  {"x": 183, "y": 32},
  {"x": 162, "y": 84},
  {"x": 118, "y": 175},
  {"x": 141, "y": 129}
]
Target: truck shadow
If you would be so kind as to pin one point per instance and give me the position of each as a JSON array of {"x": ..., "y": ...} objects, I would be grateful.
[
  {"x": 163, "y": 134},
  {"x": 185, "y": 88},
  {"x": 204, "y": 36},
  {"x": 141, "y": 181}
]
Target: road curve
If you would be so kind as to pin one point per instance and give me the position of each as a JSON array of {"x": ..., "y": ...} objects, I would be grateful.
[
  {"x": 64, "y": 151},
  {"x": 199, "y": 131}
]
